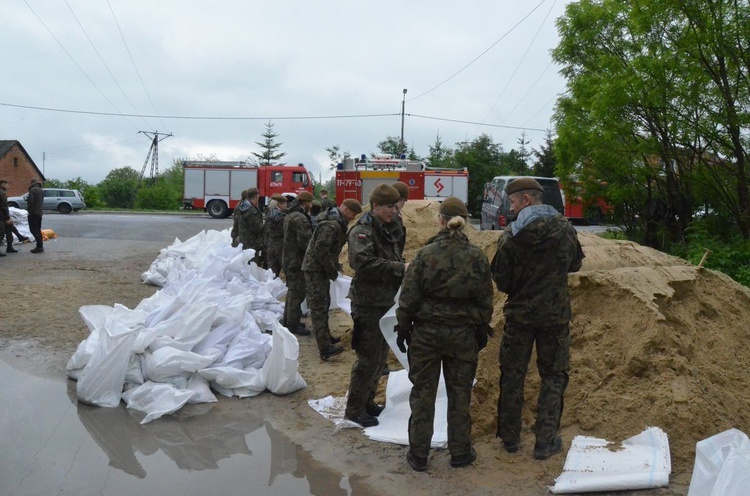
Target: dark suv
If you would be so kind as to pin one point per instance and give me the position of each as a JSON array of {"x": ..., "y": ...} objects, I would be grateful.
[{"x": 496, "y": 212}]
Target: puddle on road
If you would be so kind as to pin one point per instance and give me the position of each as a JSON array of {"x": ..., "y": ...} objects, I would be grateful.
[{"x": 52, "y": 444}]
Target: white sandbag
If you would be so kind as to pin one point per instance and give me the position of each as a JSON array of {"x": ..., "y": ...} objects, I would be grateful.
[
  {"x": 339, "y": 290},
  {"x": 167, "y": 362},
  {"x": 200, "y": 388},
  {"x": 186, "y": 330},
  {"x": 642, "y": 462},
  {"x": 101, "y": 381},
  {"x": 234, "y": 378},
  {"x": 280, "y": 372},
  {"x": 157, "y": 399},
  {"x": 248, "y": 349},
  {"x": 722, "y": 465}
]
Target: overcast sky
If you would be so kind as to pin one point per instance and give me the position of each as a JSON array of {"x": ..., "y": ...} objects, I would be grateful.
[{"x": 213, "y": 73}]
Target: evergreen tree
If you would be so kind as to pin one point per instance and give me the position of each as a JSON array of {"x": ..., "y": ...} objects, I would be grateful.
[{"x": 270, "y": 148}]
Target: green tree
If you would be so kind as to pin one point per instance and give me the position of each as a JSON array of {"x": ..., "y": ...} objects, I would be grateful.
[
  {"x": 118, "y": 187},
  {"x": 270, "y": 148},
  {"x": 545, "y": 163},
  {"x": 165, "y": 192},
  {"x": 391, "y": 145},
  {"x": 440, "y": 155},
  {"x": 482, "y": 158},
  {"x": 54, "y": 183},
  {"x": 335, "y": 156}
]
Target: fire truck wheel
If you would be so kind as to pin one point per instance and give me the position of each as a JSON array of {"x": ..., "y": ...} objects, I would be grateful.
[{"x": 217, "y": 209}]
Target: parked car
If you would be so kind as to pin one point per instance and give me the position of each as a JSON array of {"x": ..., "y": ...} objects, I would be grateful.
[
  {"x": 496, "y": 212},
  {"x": 62, "y": 200}
]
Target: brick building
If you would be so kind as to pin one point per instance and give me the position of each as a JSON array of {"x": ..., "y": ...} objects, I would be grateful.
[{"x": 17, "y": 167}]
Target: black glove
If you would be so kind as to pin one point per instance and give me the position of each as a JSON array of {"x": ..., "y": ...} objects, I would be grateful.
[
  {"x": 404, "y": 338},
  {"x": 482, "y": 333}
]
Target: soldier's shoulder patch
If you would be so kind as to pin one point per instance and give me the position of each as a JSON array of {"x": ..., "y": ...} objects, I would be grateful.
[{"x": 361, "y": 236}]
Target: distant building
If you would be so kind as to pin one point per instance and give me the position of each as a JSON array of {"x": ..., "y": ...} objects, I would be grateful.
[{"x": 17, "y": 167}]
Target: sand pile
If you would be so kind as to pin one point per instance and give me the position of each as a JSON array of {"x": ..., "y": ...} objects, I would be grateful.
[{"x": 656, "y": 341}]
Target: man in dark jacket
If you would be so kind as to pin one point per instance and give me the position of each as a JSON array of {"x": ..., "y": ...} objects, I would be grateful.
[
  {"x": 5, "y": 221},
  {"x": 378, "y": 269},
  {"x": 297, "y": 234},
  {"x": 35, "y": 206},
  {"x": 534, "y": 255},
  {"x": 321, "y": 265},
  {"x": 403, "y": 191},
  {"x": 325, "y": 202},
  {"x": 235, "y": 232}
]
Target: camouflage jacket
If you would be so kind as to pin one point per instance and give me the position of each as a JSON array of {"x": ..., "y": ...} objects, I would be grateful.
[
  {"x": 273, "y": 229},
  {"x": 449, "y": 282},
  {"x": 328, "y": 239},
  {"x": 327, "y": 204},
  {"x": 250, "y": 226},
  {"x": 401, "y": 235},
  {"x": 533, "y": 258},
  {"x": 377, "y": 263},
  {"x": 297, "y": 234}
]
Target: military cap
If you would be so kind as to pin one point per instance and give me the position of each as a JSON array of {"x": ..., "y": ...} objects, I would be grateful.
[
  {"x": 384, "y": 194},
  {"x": 305, "y": 196},
  {"x": 33, "y": 180},
  {"x": 452, "y": 207},
  {"x": 4, "y": 181},
  {"x": 323, "y": 191},
  {"x": 316, "y": 203},
  {"x": 522, "y": 183},
  {"x": 279, "y": 198},
  {"x": 352, "y": 205},
  {"x": 252, "y": 192},
  {"x": 402, "y": 189}
]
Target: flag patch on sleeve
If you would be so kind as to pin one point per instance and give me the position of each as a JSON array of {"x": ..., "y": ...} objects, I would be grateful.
[{"x": 361, "y": 236}]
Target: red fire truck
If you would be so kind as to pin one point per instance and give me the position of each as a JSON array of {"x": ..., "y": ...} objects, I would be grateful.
[
  {"x": 357, "y": 179},
  {"x": 216, "y": 186}
]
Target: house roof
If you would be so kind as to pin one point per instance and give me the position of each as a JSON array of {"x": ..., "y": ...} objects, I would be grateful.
[{"x": 5, "y": 147}]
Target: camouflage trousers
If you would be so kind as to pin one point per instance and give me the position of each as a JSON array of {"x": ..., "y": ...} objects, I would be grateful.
[
  {"x": 319, "y": 301},
  {"x": 295, "y": 295},
  {"x": 273, "y": 258},
  {"x": 372, "y": 351},
  {"x": 455, "y": 349},
  {"x": 553, "y": 363}
]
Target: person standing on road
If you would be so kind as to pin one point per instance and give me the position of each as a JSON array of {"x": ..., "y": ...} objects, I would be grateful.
[
  {"x": 321, "y": 265},
  {"x": 235, "y": 233},
  {"x": 250, "y": 226},
  {"x": 273, "y": 230},
  {"x": 35, "y": 207},
  {"x": 6, "y": 223},
  {"x": 297, "y": 234},
  {"x": 378, "y": 269},
  {"x": 403, "y": 191},
  {"x": 534, "y": 255},
  {"x": 325, "y": 202},
  {"x": 444, "y": 317}
]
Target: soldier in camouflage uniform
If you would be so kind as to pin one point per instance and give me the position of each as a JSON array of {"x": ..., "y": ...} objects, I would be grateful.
[
  {"x": 534, "y": 255},
  {"x": 273, "y": 230},
  {"x": 321, "y": 265},
  {"x": 235, "y": 233},
  {"x": 250, "y": 226},
  {"x": 378, "y": 270},
  {"x": 403, "y": 191},
  {"x": 443, "y": 316},
  {"x": 297, "y": 234},
  {"x": 6, "y": 223},
  {"x": 325, "y": 202}
]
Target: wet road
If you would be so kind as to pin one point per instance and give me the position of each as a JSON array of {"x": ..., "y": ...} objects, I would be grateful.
[{"x": 52, "y": 444}]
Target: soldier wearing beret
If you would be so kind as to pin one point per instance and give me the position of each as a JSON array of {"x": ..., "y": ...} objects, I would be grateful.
[
  {"x": 326, "y": 202},
  {"x": 250, "y": 225},
  {"x": 443, "y": 316},
  {"x": 378, "y": 269},
  {"x": 403, "y": 191},
  {"x": 534, "y": 255},
  {"x": 297, "y": 234},
  {"x": 6, "y": 223},
  {"x": 273, "y": 230},
  {"x": 321, "y": 265},
  {"x": 235, "y": 233}
]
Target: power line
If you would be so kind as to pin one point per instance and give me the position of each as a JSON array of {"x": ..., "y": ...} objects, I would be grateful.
[
  {"x": 480, "y": 55},
  {"x": 198, "y": 117},
  {"x": 475, "y": 123}
]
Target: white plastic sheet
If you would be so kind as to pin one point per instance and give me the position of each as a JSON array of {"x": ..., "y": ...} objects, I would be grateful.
[
  {"x": 280, "y": 372},
  {"x": 722, "y": 465},
  {"x": 641, "y": 462}
]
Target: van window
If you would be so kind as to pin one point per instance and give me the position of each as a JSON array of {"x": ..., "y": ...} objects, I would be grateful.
[
  {"x": 68, "y": 194},
  {"x": 51, "y": 193}
]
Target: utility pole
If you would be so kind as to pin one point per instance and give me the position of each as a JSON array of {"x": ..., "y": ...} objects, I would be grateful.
[
  {"x": 403, "y": 108},
  {"x": 154, "y": 158}
]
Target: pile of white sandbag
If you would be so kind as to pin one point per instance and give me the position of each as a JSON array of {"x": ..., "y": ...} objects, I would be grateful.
[{"x": 214, "y": 326}]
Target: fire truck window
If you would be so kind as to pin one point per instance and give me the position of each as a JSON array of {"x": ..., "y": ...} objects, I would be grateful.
[
  {"x": 276, "y": 177},
  {"x": 300, "y": 177}
]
